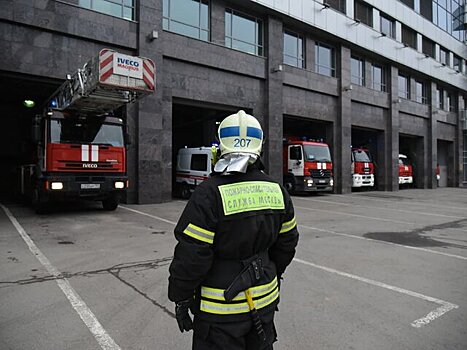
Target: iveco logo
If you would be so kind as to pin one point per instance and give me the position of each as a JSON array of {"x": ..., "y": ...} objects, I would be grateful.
[
  {"x": 89, "y": 165},
  {"x": 321, "y": 172}
]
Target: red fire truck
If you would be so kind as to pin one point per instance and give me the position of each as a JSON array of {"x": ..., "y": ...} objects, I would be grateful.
[
  {"x": 405, "y": 171},
  {"x": 81, "y": 137},
  {"x": 307, "y": 166},
  {"x": 363, "y": 169}
]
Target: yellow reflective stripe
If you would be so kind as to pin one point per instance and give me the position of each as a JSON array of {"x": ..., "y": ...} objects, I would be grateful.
[
  {"x": 289, "y": 225},
  {"x": 231, "y": 309},
  {"x": 257, "y": 291},
  {"x": 199, "y": 233},
  {"x": 251, "y": 195}
]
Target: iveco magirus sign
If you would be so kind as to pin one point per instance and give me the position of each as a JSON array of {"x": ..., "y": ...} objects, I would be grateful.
[{"x": 128, "y": 65}]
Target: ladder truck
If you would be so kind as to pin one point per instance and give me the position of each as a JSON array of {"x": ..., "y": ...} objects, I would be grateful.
[{"x": 81, "y": 137}]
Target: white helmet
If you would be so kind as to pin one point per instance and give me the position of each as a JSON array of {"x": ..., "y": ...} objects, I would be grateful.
[{"x": 240, "y": 133}]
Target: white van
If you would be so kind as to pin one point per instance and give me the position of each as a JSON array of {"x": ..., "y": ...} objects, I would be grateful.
[{"x": 193, "y": 167}]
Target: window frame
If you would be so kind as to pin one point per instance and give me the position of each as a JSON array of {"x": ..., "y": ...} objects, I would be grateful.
[
  {"x": 367, "y": 8},
  {"x": 361, "y": 78},
  {"x": 423, "y": 97},
  {"x": 300, "y": 42},
  {"x": 383, "y": 85},
  {"x": 318, "y": 64},
  {"x": 121, "y": 3},
  {"x": 405, "y": 40},
  {"x": 391, "y": 21},
  {"x": 259, "y": 32},
  {"x": 405, "y": 94},
  {"x": 168, "y": 21}
]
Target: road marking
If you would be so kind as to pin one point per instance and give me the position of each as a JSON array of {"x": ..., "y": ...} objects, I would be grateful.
[
  {"x": 386, "y": 209},
  {"x": 146, "y": 214},
  {"x": 89, "y": 319},
  {"x": 383, "y": 242},
  {"x": 411, "y": 202},
  {"x": 444, "y": 305}
]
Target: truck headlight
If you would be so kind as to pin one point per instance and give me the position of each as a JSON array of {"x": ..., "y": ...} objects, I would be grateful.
[
  {"x": 119, "y": 184},
  {"x": 56, "y": 185},
  {"x": 309, "y": 182},
  {"x": 331, "y": 182}
]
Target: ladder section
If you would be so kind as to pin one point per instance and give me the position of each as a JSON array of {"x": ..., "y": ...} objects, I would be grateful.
[{"x": 105, "y": 83}]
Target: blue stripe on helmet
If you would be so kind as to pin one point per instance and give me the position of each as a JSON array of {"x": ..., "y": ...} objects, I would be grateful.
[
  {"x": 254, "y": 132},
  {"x": 230, "y": 131}
]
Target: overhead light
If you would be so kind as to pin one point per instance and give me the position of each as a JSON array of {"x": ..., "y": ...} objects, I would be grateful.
[
  {"x": 325, "y": 6},
  {"x": 382, "y": 34},
  {"x": 29, "y": 103}
]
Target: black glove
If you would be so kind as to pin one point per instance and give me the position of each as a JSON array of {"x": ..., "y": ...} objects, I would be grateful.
[{"x": 183, "y": 317}]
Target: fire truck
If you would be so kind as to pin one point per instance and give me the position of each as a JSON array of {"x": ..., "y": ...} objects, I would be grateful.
[
  {"x": 307, "y": 166},
  {"x": 363, "y": 169},
  {"x": 405, "y": 171},
  {"x": 81, "y": 137}
]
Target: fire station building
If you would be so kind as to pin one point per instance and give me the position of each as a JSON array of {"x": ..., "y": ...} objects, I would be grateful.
[{"x": 388, "y": 75}]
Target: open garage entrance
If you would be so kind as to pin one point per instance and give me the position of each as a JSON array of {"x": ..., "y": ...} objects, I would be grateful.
[
  {"x": 446, "y": 163},
  {"x": 308, "y": 129},
  {"x": 412, "y": 147},
  {"x": 366, "y": 140},
  {"x": 16, "y": 147},
  {"x": 194, "y": 125}
]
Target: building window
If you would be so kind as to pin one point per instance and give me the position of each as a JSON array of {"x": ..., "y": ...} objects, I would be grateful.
[
  {"x": 325, "y": 60},
  {"x": 118, "y": 8},
  {"x": 363, "y": 13},
  {"x": 428, "y": 47},
  {"x": 187, "y": 17},
  {"x": 404, "y": 86},
  {"x": 420, "y": 92},
  {"x": 388, "y": 26},
  {"x": 378, "y": 77},
  {"x": 409, "y": 37},
  {"x": 338, "y": 5},
  {"x": 444, "y": 56},
  {"x": 448, "y": 14},
  {"x": 357, "y": 71},
  {"x": 243, "y": 32},
  {"x": 439, "y": 98},
  {"x": 451, "y": 102},
  {"x": 457, "y": 63},
  {"x": 293, "y": 49}
]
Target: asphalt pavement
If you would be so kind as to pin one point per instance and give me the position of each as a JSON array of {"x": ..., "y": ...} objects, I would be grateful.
[{"x": 373, "y": 270}]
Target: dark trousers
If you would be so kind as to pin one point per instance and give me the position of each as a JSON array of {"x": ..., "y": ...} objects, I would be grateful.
[{"x": 231, "y": 336}]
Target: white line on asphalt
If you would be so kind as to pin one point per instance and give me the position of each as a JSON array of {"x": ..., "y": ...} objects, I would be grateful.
[
  {"x": 356, "y": 215},
  {"x": 379, "y": 208},
  {"x": 445, "y": 306},
  {"x": 146, "y": 214},
  {"x": 383, "y": 242},
  {"x": 102, "y": 337},
  {"x": 411, "y": 202}
]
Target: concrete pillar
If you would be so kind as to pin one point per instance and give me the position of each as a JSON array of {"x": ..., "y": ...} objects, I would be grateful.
[
  {"x": 431, "y": 144},
  {"x": 343, "y": 128},
  {"x": 349, "y": 9},
  {"x": 273, "y": 124},
  {"x": 368, "y": 76},
  {"x": 391, "y": 157},
  {"x": 154, "y": 124},
  {"x": 459, "y": 142},
  {"x": 419, "y": 42},
  {"x": 376, "y": 20},
  {"x": 398, "y": 31},
  {"x": 310, "y": 54},
  {"x": 217, "y": 19}
]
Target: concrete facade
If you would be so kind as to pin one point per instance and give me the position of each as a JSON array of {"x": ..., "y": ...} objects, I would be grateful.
[{"x": 49, "y": 39}]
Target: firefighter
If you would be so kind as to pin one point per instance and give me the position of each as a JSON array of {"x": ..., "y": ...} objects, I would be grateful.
[{"x": 235, "y": 237}]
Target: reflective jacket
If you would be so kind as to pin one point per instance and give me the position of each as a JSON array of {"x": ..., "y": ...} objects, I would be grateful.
[{"x": 228, "y": 220}]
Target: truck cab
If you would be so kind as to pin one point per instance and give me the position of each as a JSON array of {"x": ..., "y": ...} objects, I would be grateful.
[
  {"x": 194, "y": 165},
  {"x": 363, "y": 169},
  {"x": 307, "y": 166},
  {"x": 405, "y": 170}
]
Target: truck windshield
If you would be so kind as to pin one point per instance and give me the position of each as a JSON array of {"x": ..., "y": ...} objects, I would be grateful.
[
  {"x": 361, "y": 156},
  {"x": 316, "y": 153},
  {"x": 96, "y": 132}
]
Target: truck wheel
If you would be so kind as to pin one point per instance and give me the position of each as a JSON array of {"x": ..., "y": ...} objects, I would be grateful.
[
  {"x": 289, "y": 184},
  {"x": 185, "y": 192},
  {"x": 110, "y": 203}
]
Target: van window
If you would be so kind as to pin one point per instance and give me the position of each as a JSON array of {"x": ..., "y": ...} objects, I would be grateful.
[{"x": 199, "y": 162}]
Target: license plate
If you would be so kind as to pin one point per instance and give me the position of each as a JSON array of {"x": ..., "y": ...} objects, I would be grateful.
[
  {"x": 90, "y": 186},
  {"x": 321, "y": 181}
]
